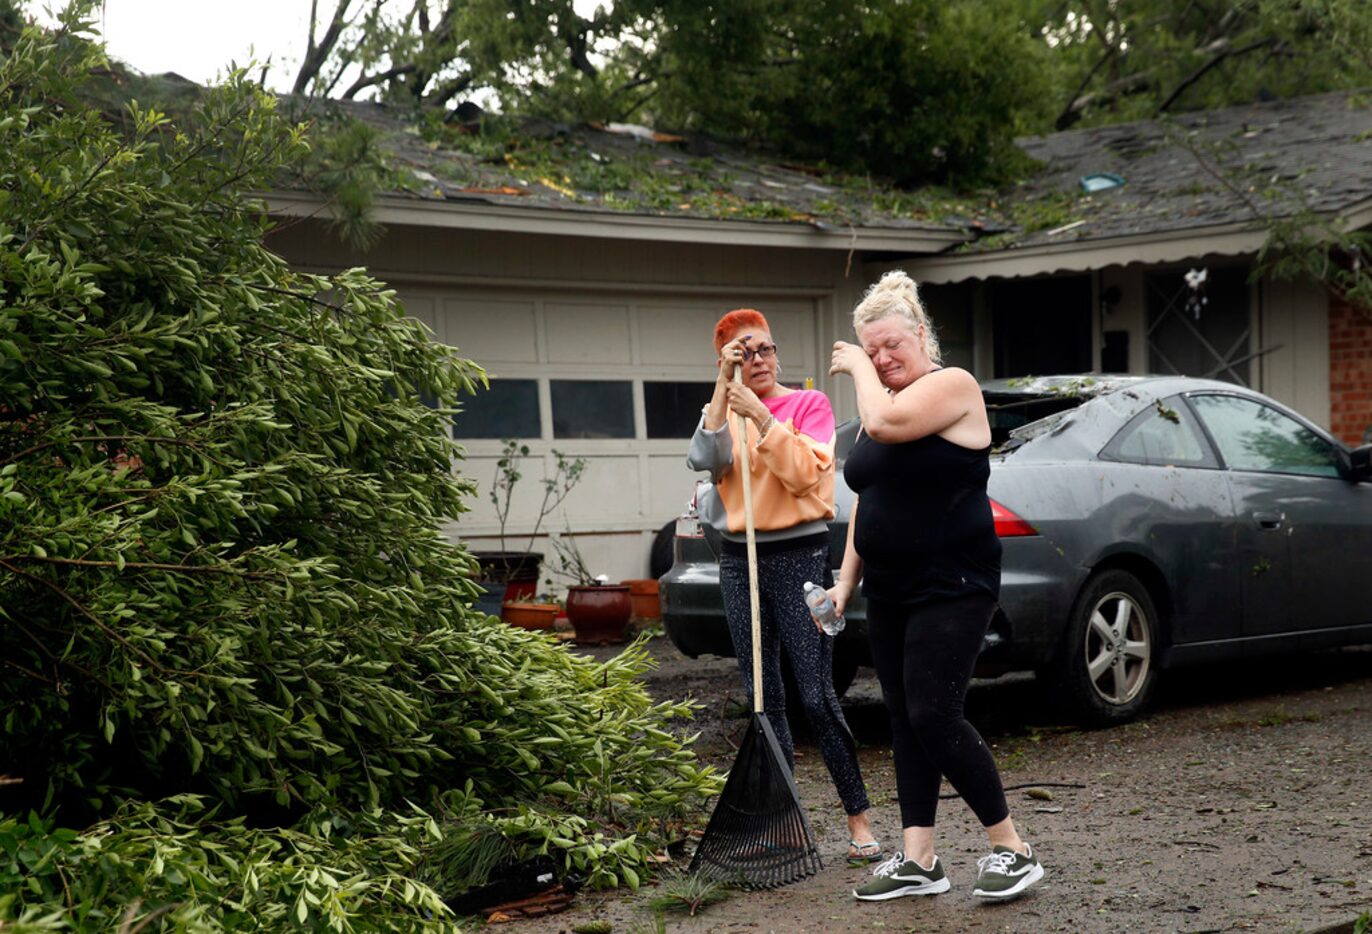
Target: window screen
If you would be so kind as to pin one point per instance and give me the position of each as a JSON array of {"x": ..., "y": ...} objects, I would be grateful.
[{"x": 1199, "y": 332}]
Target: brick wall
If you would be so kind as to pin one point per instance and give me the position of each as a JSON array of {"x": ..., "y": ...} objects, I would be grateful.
[{"x": 1350, "y": 372}]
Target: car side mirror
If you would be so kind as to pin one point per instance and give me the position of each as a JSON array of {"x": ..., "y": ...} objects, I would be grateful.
[{"x": 1360, "y": 464}]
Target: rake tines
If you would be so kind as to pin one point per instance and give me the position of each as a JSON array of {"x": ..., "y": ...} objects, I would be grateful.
[{"x": 758, "y": 836}]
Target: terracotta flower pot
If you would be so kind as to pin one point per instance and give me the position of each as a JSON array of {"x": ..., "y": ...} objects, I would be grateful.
[
  {"x": 643, "y": 596},
  {"x": 530, "y": 615},
  {"x": 599, "y": 613}
]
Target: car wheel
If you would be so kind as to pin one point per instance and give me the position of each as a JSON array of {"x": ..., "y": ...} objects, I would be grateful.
[
  {"x": 660, "y": 555},
  {"x": 1104, "y": 671}
]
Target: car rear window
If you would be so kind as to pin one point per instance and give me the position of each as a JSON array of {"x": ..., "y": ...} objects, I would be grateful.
[
  {"x": 1010, "y": 410},
  {"x": 1006, "y": 411}
]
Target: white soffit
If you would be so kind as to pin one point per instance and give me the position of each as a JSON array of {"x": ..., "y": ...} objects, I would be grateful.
[
  {"x": 1086, "y": 255},
  {"x": 1357, "y": 216},
  {"x": 474, "y": 215}
]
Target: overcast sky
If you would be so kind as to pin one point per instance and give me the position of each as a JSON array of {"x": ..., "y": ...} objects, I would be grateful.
[{"x": 198, "y": 39}]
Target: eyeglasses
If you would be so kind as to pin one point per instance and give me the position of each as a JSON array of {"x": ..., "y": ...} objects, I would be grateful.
[{"x": 765, "y": 351}]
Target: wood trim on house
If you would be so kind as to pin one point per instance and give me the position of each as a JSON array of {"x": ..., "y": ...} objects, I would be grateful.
[
  {"x": 577, "y": 222},
  {"x": 1085, "y": 256}
]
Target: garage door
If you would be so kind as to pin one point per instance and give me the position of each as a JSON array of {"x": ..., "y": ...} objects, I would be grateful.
[{"x": 616, "y": 378}]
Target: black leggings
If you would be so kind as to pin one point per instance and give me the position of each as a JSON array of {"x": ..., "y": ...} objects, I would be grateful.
[
  {"x": 924, "y": 656},
  {"x": 786, "y": 625}
]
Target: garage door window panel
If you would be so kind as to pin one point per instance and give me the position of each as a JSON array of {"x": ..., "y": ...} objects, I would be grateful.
[
  {"x": 592, "y": 408},
  {"x": 507, "y": 409},
  {"x": 672, "y": 410}
]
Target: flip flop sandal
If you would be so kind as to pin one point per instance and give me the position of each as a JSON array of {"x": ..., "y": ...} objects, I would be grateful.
[{"x": 863, "y": 853}]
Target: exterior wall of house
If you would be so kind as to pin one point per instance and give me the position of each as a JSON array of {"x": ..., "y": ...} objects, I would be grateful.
[
  {"x": 1127, "y": 313},
  {"x": 1294, "y": 324},
  {"x": 1350, "y": 373},
  {"x": 552, "y": 311}
]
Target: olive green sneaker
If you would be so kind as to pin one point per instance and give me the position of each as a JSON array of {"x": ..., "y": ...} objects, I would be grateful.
[
  {"x": 900, "y": 876},
  {"x": 1005, "y": 873}
]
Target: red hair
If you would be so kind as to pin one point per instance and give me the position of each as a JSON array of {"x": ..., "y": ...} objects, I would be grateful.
[{"x": 735, "y": 321}]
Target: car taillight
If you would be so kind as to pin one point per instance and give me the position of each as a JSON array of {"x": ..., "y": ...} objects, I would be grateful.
[{"x": 1009, "y": 525}]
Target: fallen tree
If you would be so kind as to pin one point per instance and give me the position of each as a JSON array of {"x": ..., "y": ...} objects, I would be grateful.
[{"x": 241, "y": 677}]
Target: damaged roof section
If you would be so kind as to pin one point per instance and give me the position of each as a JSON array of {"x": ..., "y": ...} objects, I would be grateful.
[
  {"x": 1185, "y": 178},
  {"x": 1195, "y": 173},
  {"x": 622, "y": 168},
  {"x": 1202, "y": 170}
]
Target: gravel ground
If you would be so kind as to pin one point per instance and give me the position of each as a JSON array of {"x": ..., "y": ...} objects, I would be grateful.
[{"x": 1241, "y": 801}]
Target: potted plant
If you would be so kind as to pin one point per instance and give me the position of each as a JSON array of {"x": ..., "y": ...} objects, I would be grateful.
[
  {"x": 508, "y": 575},
  {"x": 598, "y": 611},
  {"x": 643, "y": 593},
  {"x": 538, "y": 612}
]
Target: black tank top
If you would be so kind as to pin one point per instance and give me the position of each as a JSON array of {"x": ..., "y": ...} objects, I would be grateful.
[{"x": 924, "y": 527}]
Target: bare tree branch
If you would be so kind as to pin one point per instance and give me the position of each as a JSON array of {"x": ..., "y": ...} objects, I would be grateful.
[
  {"x": 446, "y": 92},
  {"x": 1223, "y": 53},
  {"x": 366, "y": 81},
  {"x": 637, "y": 81},
  {"x": 317, "y": 55},
  {"x": 577, "y": 44},
  {"x": 1071, "y": 113},
  {"x": 1123, "y": 87},
  {"x": 332, "y": 82}
]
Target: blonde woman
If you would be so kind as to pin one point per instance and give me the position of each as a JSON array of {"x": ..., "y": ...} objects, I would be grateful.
[{"x": 922, "y": 541}]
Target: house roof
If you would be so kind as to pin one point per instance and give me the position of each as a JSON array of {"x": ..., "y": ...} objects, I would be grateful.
[
  {"x": 1192, "y": 186},
  {"x": 628, "y": 181}
]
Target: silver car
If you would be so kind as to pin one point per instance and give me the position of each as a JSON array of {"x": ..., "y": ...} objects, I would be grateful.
[{"x": 1147, "y": 523}]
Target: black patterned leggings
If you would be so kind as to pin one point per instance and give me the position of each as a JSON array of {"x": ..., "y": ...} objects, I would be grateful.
[
  {"x": 787, "y": 626},
  {"x": 924, "y": 657}
]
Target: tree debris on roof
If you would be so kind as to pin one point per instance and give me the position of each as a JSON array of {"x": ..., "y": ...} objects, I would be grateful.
[
  {"x": 1205, "y": 169},
  {"x": 628, "y": 168}
]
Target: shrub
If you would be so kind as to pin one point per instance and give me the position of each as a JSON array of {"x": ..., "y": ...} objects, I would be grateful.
[{"x": 240, "y": 665}]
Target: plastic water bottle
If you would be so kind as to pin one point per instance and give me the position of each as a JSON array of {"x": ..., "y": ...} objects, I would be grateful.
[{"x": 822, "y": 608}]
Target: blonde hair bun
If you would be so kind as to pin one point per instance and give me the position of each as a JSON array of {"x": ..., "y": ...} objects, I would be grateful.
[
  {"x": 894, "y": 281},
  {"x": 895, "y": 294}
]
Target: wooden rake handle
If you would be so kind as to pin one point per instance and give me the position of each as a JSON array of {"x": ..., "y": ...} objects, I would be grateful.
[{"x": 753, "y": 606}]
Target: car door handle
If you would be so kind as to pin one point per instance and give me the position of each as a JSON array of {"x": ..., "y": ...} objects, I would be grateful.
[{"x": 1269, "y": 520}]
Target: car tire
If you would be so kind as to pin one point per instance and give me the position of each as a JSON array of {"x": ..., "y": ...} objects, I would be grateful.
[
  {"x": 660, "y": 554},
  {"x": 1105, "y": 669}
]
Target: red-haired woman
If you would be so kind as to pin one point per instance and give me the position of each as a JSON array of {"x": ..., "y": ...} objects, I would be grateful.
[{"x": 791, "y": 437}]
